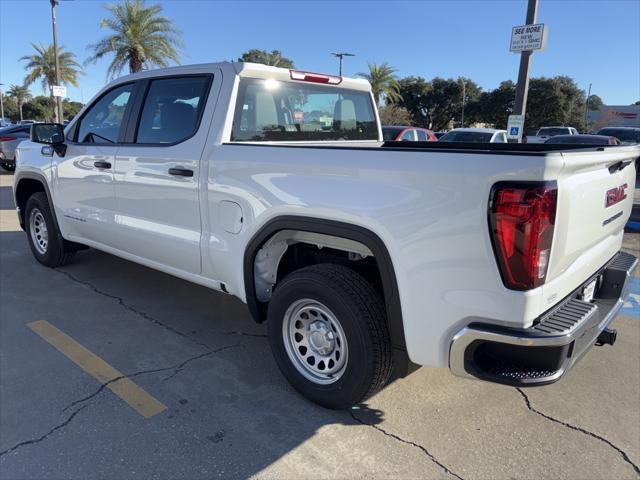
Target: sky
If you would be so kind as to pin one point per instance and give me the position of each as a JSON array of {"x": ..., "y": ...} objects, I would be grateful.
[{"x": 593, "y": 41}]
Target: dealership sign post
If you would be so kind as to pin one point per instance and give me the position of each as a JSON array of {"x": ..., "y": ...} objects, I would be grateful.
[{"x": 525, "y": 39}]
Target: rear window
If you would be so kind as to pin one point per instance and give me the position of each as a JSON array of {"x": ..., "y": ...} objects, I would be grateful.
[
  {"x": 551, "y": 132},
  {"x": 621, "y": 134},
  {"x": 269, "y": 110}
]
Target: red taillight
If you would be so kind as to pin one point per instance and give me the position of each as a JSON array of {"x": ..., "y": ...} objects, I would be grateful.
[
  {"x": 314, "y": 77},
  {"x": 7, "y": 139},
  {"x": 522, "y": 217}
]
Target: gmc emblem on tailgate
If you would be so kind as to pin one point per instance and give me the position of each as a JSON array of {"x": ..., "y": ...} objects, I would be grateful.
[{"x": 616, "y": 195}]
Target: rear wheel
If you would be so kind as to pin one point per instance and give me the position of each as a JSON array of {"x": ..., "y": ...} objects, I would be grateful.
[
  {"x": 327, "y": 330},
  {"x": 45, "y": 240}
]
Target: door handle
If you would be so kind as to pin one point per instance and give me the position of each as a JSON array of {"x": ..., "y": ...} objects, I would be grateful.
[
  {"x": 181, "y": 172},
  {"x": 101, "y": 164}
]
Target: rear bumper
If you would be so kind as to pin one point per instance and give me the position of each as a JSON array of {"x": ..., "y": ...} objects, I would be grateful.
[{"x": 541, "y": 354}]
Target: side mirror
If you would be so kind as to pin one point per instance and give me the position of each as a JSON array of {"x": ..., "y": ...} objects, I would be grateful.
[{"x": 50, "y": 134}]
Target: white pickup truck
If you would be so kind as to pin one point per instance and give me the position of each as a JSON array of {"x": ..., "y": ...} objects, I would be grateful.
[
  {"x": 545, "y": 133},
  {"x": 366, "y": 259}
]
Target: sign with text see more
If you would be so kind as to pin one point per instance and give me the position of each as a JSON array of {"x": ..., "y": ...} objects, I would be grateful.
[{"x": 528, "y": 37}]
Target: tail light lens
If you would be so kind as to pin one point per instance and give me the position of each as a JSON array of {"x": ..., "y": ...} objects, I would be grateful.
[
  {"x": 7, "y": 139},
  {"x": 522, "y": 218}
]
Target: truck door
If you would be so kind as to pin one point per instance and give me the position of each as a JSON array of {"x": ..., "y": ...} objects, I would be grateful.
[
  {"x": 84, "y": 188},
  {"x": 158, "y": 171}
]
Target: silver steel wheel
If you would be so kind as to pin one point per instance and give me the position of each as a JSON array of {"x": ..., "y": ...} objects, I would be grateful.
[
  {"x": 315, "y": 341},
  {"x": 38, "y": 231}
]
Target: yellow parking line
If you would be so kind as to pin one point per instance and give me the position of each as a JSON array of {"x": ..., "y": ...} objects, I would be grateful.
[
  {"x": 136, "y": 397},
  {"x": 9, "y": 221},
  {"x": 6, "y": 180}
]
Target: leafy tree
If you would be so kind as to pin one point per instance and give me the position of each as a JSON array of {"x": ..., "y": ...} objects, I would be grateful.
[
  {"x": 42, "y": 66},
  {"x": 71, "y": 108},
  {"x": 595, "y": 103},
  {"x": 555, "y": 101},
  {"x": 273, "y": 58},
  {"x": 140, "y": 38},
  {"x": 414, "y": 92},
  {"x": 20, "y": 94},
  {"x": 495, "y": 106},
  {"x": 383, "y": 82},
  {"x": 394, "y": 115},
  {"x": 39, "y": 108}
]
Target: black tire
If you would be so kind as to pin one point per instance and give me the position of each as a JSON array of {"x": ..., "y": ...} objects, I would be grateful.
[
  {"x": 361, "y": 314},
  {"x": 56, "y": 252},
  {"x": 9, "y": 167}
]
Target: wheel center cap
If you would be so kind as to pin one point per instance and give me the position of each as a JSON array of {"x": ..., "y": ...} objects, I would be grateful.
[{"x": 321, "y": 338}]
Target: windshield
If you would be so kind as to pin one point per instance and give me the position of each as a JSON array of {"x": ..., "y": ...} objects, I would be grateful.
[
  {"x": 389, "y": 134},
  {"x": 621, "y": 134},
  {"x": 468, "y": 137},
  {"x": 553, "y": 131},
  {"x": 269, "y": 110}
]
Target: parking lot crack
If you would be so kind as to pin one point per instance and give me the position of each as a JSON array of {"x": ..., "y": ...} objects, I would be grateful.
[
  {"x": 407, "y": 442},
  {"x": 245, "y": 334},
  {"x": 622, "y": 453},
  {"x": 134, "y": 310},
  {"x": 46, "y": 435},
  {"x": 174, "y": 368}
]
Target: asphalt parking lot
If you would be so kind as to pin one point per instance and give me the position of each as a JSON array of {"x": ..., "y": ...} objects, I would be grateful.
[{"x": 112, "y": 370}]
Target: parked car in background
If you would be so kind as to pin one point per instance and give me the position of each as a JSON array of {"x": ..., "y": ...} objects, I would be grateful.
[
  {"x": 584, "y": 140},
  {"x": 10, "y": 137},
  {"x": 627, "y": 135},
  {"x": 475, "y": 135},
  {"x": 545, "y": 133},
  {"x": 5, "y": 122},
  {"x": 394, "y": 133},
  {"x": 439, "y": 134},
  {"x": 26, "y": 122}
]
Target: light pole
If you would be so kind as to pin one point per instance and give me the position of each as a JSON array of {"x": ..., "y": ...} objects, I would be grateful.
[
  {"x": 59, "y": 115},
  {"x": 340, "y": 55},
  {"x": 586, "y": 104},
  {"x": 464, "y": 95},
  {"x": 1, "y": 104},
  {"x": 522, "y": 87}
]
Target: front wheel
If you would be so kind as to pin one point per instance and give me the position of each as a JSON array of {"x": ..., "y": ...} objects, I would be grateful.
[
  {"x": 45, "y": 240},
  {"x": 327, "y": 330}
]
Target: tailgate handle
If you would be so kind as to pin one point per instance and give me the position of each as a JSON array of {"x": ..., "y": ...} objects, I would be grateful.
[
  {"x": 621, "y": 165},
  {"x": 101, "y": 164}
]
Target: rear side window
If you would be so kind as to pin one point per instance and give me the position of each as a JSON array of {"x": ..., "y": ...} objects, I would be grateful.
[
  {"x": 268, "y": 110},
  {"x": 172, "y": 109},
  {"x": 101, "y": 123},
  {"x": 422, "y": 135}
]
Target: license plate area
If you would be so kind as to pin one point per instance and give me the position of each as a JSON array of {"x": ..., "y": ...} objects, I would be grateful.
[{"x": 588, "y": 291}]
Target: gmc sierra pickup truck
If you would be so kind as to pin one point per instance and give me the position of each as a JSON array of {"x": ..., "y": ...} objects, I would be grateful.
[{"x": 365, "y": 258}]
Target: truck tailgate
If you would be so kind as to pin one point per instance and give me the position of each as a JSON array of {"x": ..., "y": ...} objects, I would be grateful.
[{"x": 595, "y": 198}]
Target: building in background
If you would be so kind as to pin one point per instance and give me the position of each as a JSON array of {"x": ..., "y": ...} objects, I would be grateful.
[{"x": 614, "y": 116}]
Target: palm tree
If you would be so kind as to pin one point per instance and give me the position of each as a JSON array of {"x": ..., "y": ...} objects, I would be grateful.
[
  {"x": 42, "y": 66},
  {"x": 383, "y": 82},
  {"x": 140, "y": 38},
  {"x": 273, "y": 58},
  {"x": 20, "y": 94}
]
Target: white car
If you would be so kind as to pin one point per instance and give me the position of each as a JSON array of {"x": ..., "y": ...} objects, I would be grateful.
[
  {"x": 475, "y": 135},
  {"x": 274, "y": 186},
  {"x": 545, "y": 133}
]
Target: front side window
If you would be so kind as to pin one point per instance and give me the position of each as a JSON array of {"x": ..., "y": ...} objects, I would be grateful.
[
  {"x": 422, "y": 135},
  {"x": 172, "y": 109},
  {"x": 101, "y": 123},
  {"x": 269, "y": 110},
  {"x": 407, "y": 136}
]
